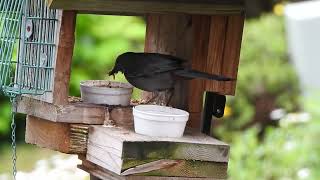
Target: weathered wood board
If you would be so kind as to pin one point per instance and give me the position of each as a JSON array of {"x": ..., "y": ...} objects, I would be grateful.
[
  {"x": 122, "y": 117},
  {"x": 65, "y": 44},
  {"x": 103, "y": 174},
  {"x": 224, "y": 45},
  {"x": 125, "y": 152},
  {"x": 62, "y": 137},
  {"x": 74, "y": 112},
  {"x": 150, "y": 6}
]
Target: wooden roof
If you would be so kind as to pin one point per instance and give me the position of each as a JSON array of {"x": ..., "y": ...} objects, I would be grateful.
[{"x": 132, "y": 7}]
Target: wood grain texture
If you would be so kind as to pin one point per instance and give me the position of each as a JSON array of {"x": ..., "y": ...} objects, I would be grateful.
[
  {"x": 184, "y": 36},
  {"x": 210, "y": 43},
  {"x": 216, "y": 45},
  {"x": 104, "y": 174},
  {"x": 186, "y": 168},
  {"x": 171, "y": 34},
  {"x": 231, "y": 54},
  {"x": 64, "y": 58},
  {"x": 150, "y": 6},
  {"x": 118, "y": 149},
  {"x": 122, "y": 117},
  {"x": 201, "y": 32},
  {"x": 223, "y": 57},
  {"x": 62, "y": 137},
  {"x": 74, "y": 112}
]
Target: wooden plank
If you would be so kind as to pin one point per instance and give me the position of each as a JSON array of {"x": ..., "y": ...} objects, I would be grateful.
[
  {"x": 104, "y": 174},
  {"x": 195, "y": 120},
  {"x": 118, "y": 149},
  {"x": 232, "y": 52},
  {"x": 171, "y": 34},
  {"x": 201, "y": 32},
  {"x": 122, "y": 117},
  {"x": 180, "y": 168},
  {"x": 211, "y": 43},
  {"x": 223, "y": 57},
  {"x": 62, "y": 137},
  {"x": 64, "y": 55},
  {"x": 151, "y": 6},
  {"x": 216, "y": 45},
  {"x": 74, "y": 112},
  {"x": 92, "y": 177}
]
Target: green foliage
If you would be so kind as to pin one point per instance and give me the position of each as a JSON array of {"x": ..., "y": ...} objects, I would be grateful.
[
  {"x": 289, "y": 152},
  {"x": 99, "y": 40},
  {"x": 264, "y": 70},
  {"x": 5, "y": 110}
]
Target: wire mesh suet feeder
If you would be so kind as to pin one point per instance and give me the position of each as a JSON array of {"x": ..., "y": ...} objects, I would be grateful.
[{"x": 27, "y": 46}]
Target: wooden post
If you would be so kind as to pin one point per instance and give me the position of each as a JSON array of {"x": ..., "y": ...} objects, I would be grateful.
[
  {"x": 201, "y": 32},
  {"x": 64, "y": 58},
  {"x": 223, "y": 57},
  {"x": 210, "y": 43},
  {"x": 176, "y": 35},
  {"x": 171, "y": 34}
]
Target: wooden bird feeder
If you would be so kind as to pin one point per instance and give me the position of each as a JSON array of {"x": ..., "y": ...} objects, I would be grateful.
[{"x": 206, "y": 32}]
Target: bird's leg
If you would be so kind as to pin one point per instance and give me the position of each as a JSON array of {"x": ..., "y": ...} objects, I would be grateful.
[
  {"x": 162, "y": 98},
  {"x": 154, "y": 96},
  {"x": 171, "y": 91}
]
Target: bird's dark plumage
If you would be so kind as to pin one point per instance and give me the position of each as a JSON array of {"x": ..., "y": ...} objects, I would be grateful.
[{"x": 156, "y": 72}]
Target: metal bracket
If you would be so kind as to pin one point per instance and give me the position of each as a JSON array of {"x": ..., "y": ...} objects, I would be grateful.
[{"x": 214, "y": 106}]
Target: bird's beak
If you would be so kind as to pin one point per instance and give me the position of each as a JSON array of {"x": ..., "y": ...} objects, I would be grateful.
[{"x": 112, "y": 73}]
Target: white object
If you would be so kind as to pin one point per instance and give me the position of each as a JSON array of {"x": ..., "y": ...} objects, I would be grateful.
[
  {"x": 160, "y": 121},
  {"x": 29, "y": 28},
  {"x": 303, "y": 28},
  {"x": 106, "y": 92}
]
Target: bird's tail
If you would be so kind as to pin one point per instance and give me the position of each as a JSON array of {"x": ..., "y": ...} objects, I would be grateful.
[{"x": 197, "y": 74}]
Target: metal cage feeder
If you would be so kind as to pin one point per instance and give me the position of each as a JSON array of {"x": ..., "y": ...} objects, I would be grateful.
[{"x": 27, "y": 47}]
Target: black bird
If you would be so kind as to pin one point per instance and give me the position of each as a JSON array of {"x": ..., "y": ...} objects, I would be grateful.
[{"x": 155, "y": 72}]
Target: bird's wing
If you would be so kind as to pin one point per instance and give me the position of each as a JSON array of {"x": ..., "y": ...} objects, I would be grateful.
[{"x": 153, "y": 63}]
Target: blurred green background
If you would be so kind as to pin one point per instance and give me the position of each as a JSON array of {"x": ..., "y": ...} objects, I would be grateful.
[{"x": 262, "y": 147}]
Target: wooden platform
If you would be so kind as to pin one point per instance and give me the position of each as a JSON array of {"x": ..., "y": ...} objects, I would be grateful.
[
  {"x": 98, "y": 173},
  {"x": 62, "y": 137},
  {"x": 123, "y": 154},
  {"x": 73, "y": 112},
  {"x": 126, "y": 153},
  {"x": 208, "y": 7}
]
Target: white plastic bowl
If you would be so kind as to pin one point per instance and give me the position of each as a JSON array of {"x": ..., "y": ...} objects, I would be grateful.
[
  {"x": 98, "y": 92},
  {"x": 160, "y": 121}
]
